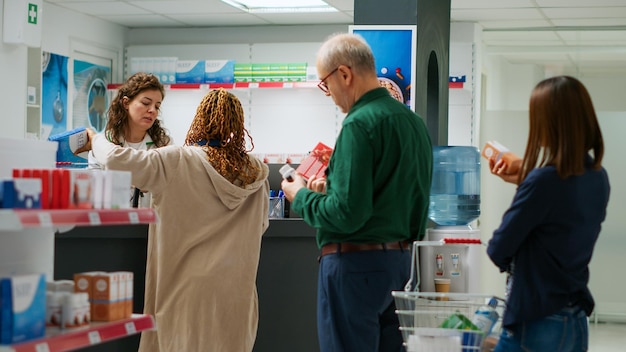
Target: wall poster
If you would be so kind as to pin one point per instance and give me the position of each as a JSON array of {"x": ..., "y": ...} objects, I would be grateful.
[
  {"x": 394, "y": 48},
  {"x": 91, "y": 99},
  {"x": 53, "y": 94}
]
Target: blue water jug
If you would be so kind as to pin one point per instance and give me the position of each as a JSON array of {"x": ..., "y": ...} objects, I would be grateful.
[{"x": 455, "y": 189}]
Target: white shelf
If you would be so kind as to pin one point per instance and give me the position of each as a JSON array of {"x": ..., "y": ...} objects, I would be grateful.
[
  {"x": 20, "y": 219},
  {"x": 58, "y": 340}
]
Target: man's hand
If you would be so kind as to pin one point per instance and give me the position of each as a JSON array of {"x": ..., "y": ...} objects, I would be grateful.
[
  {"x": 290, "y": 188},
  {"x": 317, "y": 184}
]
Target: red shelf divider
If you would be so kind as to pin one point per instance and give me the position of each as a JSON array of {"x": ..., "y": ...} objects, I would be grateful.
[
  {"x": 17, "y": 219},
  {"x": 61, "y": 340}
]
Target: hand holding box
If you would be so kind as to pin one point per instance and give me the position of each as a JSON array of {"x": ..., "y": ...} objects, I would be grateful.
[
  {"x": 496, "y": 151},
  {"x": 316, "y": 162}
]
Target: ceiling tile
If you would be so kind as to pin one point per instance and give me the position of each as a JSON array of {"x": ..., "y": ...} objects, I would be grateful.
[
  {"x": 495, "y": 14},
  {"x": 582, "y": 12}
]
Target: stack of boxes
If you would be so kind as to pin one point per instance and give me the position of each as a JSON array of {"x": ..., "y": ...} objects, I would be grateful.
[
  {"x": 110, "y": 293},
  {"x": 172, "y": 70},
  {"x": 66, "y": 189}
]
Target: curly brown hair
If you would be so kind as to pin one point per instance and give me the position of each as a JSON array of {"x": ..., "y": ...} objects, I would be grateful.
[
  {"x": 219, "y": 119},
  {"x": 117, "y": 121}
]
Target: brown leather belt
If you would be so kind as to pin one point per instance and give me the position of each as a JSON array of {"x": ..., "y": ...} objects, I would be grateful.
[{"x": 357, "y": 247}]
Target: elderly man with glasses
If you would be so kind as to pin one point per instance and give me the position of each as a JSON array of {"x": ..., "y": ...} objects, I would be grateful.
[{"x": 371, "y": 204}]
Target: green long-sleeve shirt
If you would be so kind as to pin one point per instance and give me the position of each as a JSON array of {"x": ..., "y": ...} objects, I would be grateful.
[{"x": 378, "y": 177}]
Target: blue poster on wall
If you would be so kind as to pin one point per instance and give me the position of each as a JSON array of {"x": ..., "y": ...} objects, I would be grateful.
[
  {"x": 53, "y": 94},
  {"x": 394, "y": 49},
  {"x": 91, "y": 100}
]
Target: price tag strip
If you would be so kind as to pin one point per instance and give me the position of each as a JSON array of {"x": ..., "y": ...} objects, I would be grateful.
[{"x": 97, "y": 333}]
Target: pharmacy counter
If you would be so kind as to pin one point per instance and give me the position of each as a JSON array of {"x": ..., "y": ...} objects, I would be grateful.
[{"x": 287, "y": 278}]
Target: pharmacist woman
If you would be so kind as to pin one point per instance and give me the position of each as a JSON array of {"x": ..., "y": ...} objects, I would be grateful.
[
  {"x": 547, "y": 236},
  {"x": 132, "y": 121}
]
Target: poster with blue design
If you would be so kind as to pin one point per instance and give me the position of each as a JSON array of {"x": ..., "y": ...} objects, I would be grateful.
[
  {"x": 54, "y": 73},
  {"x": 394, "y": 48},
  {"x": 91, "y": 99}
]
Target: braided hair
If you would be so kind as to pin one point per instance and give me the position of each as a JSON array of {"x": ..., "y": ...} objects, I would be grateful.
[
  {"x": 220, "y": 119},
  {"x": 117, "y": 121}
]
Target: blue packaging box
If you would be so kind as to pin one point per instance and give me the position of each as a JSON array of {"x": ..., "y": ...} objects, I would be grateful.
[
  {"x": 21, "y": 193},
  {"x": 219, "y": 71},
  {"x": 190, "y": 71},
  {"x": 22, "y": 308},
  {"x": 69, "y": 142}
]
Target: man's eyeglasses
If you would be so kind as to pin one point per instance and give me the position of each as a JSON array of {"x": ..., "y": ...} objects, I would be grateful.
[{"x": 322, "y": 85}]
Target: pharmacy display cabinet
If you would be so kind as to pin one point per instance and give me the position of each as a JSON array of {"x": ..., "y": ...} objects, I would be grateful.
[{"x": 27, "y": 246}]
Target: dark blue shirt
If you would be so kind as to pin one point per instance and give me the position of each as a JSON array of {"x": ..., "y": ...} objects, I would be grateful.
[{"x": 548, "y": 234}]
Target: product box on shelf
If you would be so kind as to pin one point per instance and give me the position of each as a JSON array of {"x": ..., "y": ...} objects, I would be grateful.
[
  {"x": 297, "y": 71},
  {"x": 22, "y": 308},
  {"x": 126, "y": 292},
  {"x": 190, "y": 71},
  {"x": 316, "y": 162},
  {"x": 20, "y": 193},
  {"x": 261, "y": 72},
  {"x": 219, "y": 71},
  {"x": 69, "y": 142},
  {"x": 279, "y": 72},
  {"x": 116, "y": 188},
  {"x": 106, "y": 305},
  {"x": 243, "y": 72}
]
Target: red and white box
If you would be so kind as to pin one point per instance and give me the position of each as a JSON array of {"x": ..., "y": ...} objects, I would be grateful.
[{"x": 316, "y": 162}]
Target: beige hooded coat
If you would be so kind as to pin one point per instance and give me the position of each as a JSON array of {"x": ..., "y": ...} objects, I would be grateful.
[{"x": 203, "y": 253}]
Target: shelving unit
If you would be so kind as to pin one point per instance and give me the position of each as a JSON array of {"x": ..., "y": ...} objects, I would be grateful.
[
  {"x": 27, "y": 246},
  {"x": 58, "y": 340},
  {"x": 237, "y": 85},
  {"x": 19, "y": 219}
]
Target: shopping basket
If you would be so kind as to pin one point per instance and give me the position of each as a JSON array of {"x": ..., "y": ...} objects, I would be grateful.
[{"x": 441, "y": 322}]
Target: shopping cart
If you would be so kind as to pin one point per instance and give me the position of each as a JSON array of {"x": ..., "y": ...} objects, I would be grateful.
[{"x": 442, "y": 322}]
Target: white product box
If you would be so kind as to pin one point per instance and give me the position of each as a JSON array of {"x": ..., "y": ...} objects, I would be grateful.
[{"x": 116, "y": 189}]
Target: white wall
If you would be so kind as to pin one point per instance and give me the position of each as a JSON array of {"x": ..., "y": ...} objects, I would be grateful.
[
  {"x": 506, "y": 120},
  {"x": 13, "y": 59},
  {"x": 63, "y": 32}
]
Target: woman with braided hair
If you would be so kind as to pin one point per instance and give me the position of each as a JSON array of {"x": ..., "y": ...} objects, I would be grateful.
[{"x": 211, "y": 198}]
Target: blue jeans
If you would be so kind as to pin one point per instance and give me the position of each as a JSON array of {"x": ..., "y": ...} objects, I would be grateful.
[
  {"x": 565, "y": 331},
  {"x": 355, "y": 308}
]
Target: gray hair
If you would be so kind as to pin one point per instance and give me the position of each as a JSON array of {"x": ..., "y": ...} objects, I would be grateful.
[{"x": 346, "y": 49}]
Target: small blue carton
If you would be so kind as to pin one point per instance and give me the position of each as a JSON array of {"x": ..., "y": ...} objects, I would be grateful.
[
  {"x": 69, "y": 142},
  {"x": 22, "y": 308},
  {"x": 219, "y": 71},
  {"x": 190, "y": 71}
]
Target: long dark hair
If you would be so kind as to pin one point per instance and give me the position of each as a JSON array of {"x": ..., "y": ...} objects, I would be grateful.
[{"x": 564, "y": 128}]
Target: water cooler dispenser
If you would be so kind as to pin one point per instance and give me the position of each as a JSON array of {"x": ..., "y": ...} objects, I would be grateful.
[{"x": 454, "y": 205}]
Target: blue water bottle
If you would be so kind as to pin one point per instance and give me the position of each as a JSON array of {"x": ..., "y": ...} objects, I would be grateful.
[{"x": 455, "y": 189}]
